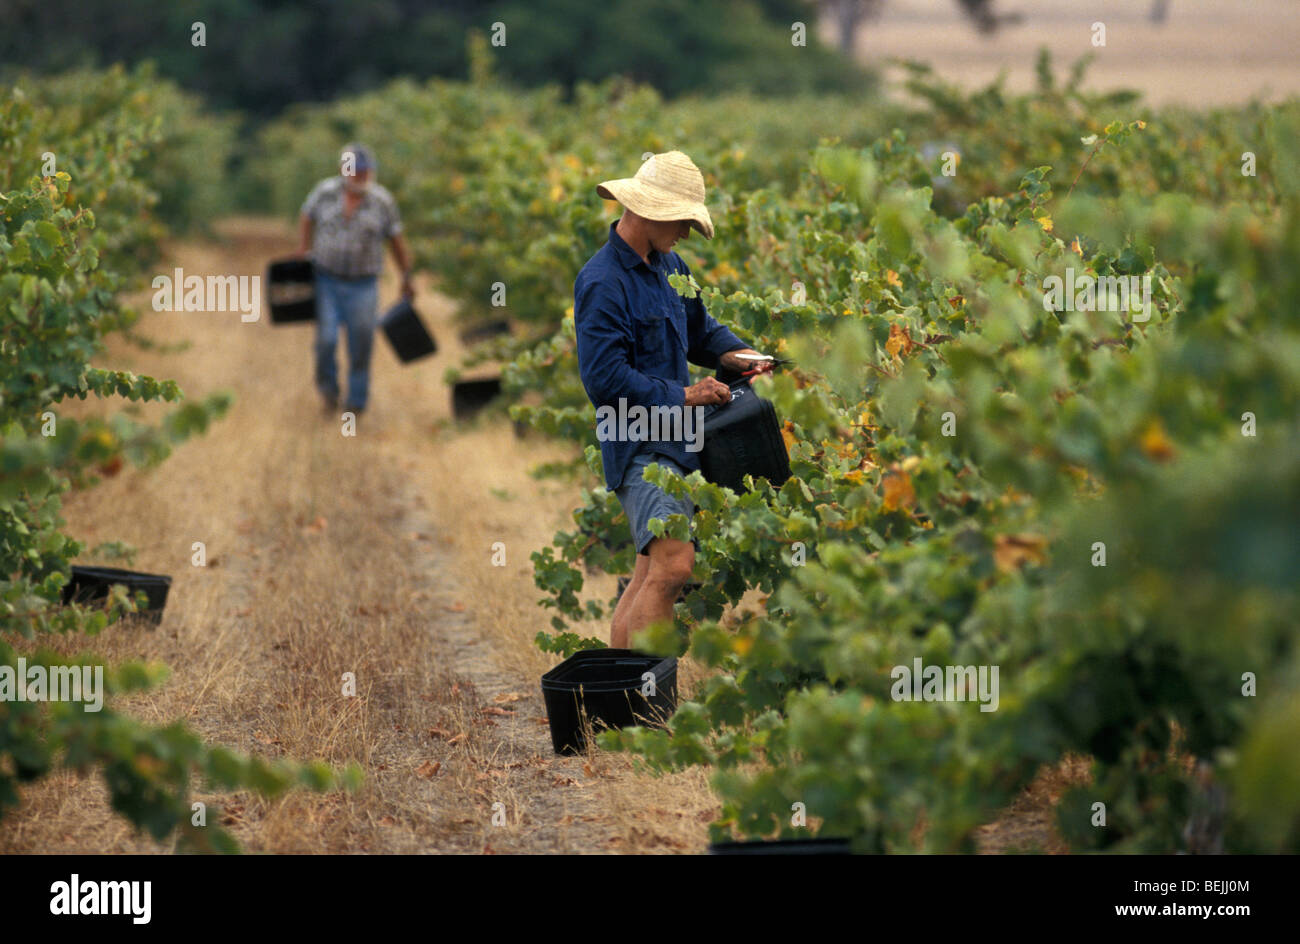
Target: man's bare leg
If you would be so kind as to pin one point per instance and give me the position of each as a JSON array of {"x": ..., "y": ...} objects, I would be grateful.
[
  {"x": 618, "y": 629},
  {"x": 669, "y": 570}
]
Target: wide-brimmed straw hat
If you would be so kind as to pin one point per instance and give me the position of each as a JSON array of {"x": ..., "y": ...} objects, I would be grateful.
[{"x": 667, "y": 186}]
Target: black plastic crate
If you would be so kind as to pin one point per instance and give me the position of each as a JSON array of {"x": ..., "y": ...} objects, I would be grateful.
[
  {"x": 743, "y": 437},
  {"x": 783, "y": 847},
  {"x": 605, "y": 686},
  {"x": 409, "y": 338},
  {"x": 469, "y": 397},
  {"x": 483, "y": 331},
  {"x": 291, "y": 290},
  {"x": 90, "y": 585}
]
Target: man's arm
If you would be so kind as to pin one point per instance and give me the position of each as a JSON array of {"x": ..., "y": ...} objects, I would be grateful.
[
  {"x": 605, "y": 346},
  {"x": 710, "y": 341},
  {"x": 403, "y": 260},
  {"x": 304, "y": 234},
  {"x": 397, "y": 242},
  {"x": 307, "y": 218}
]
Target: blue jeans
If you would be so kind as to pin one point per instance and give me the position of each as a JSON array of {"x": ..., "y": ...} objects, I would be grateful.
[{"x": 350, "y": 303}]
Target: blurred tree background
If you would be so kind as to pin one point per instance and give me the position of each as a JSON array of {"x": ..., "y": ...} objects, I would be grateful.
[{"x": 262, "y": 55}]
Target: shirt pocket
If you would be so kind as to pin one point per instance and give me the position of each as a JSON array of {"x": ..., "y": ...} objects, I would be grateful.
[
  {"x": 679, "y": 328},
  {"x": 650, "y": 336}
]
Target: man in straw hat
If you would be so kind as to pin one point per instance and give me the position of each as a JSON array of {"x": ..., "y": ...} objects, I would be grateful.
[{"x": 635, "y": 336}]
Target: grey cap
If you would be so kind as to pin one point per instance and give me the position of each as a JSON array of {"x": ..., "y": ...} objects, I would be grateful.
[{"x": 363, "y": 157}]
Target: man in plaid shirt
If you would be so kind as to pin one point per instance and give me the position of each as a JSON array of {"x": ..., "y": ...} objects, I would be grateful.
[{"x": 344, "y": 223}]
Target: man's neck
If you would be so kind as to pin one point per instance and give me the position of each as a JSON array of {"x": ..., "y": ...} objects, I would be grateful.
[{"x": 639, "y": 242}]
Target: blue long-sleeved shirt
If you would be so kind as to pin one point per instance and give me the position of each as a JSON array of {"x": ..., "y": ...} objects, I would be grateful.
[{"x": 635, "y": 336}]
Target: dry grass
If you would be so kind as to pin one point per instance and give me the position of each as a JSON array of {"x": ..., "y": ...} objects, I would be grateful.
[
  {"x": 1028, "y": 825},
  {"x": 371, "y": 555}
]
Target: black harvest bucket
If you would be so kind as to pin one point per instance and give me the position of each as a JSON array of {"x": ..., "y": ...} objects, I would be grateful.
[
  {"x": 90, "y": 585},
  {"x": 468, "y": 397},
  {"x": 407, "y": 334},
  {"x": 607, "y": 686},
  {"x": 483, "y": 331},
  {"x": 783, "y": 847},
  {"x": 743, "y": 437},
  {"x": 291, "y": 290}
]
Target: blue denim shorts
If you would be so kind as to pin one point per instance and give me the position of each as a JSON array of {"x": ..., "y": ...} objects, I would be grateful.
[{"x": 642, "y": 501}]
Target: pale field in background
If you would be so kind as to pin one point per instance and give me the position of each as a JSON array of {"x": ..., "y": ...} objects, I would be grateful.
[{"x": 1206, "y": 53}]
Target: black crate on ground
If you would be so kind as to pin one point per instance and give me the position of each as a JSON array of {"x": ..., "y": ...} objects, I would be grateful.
[
  {"x": 291, "y": 290},
  {"x": 783, "y": 847},
  {"x": 468, "y": 397},
  {"x": 681, "y": 598},
  {"x": 483, "y": 331},
  {"x": 606, "y": 685},
  {"x": 743, "y": 437},
  {"x": 409, "y": 338},
  {"x": 90, "y": 585}
]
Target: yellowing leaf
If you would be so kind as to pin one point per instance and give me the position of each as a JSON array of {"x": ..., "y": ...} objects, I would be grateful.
[
  {"x": 787, "y": 434},
  {"x": 1012, "y": 551},
  {"x": 892, "y": 277},
  {"x": 1155, "y": 443},
  {"x": 428, "y": 770},
  {"x": 898, "y": 491},
  {"x": 899, "y": 341},
  {"x": 1045, "y": 222}
]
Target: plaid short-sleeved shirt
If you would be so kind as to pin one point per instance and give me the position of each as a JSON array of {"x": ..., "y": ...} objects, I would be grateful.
[{"x": 350, "y": 248}]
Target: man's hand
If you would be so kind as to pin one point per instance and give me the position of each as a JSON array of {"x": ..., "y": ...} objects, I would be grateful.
[
  {"x": 740, "y": 365},
  {"x": 408, "y": 289},
  {"x": 708, "y": 391}
]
